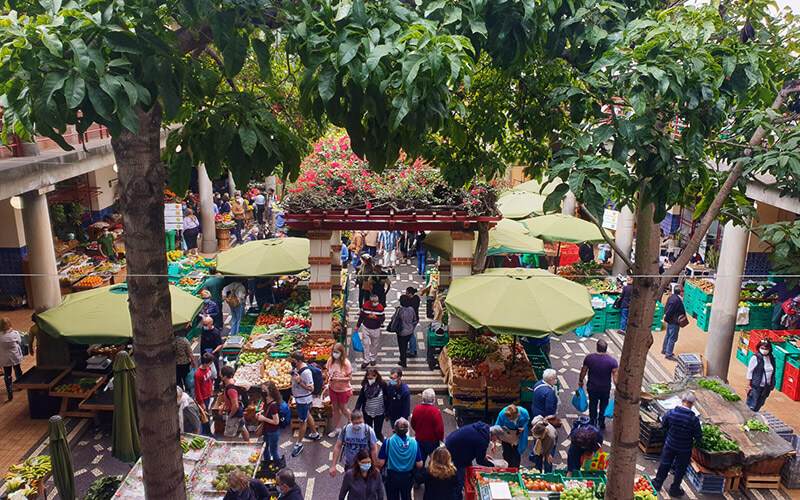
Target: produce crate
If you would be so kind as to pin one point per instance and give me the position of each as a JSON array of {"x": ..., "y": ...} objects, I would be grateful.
[
  {"x": 597, "y": 476},
  {"x": 705, "y": 483},
  {"x": 744, "y": 356},
  {"x": 539, "y": 364},
  {"x": 613, "y": 318},
  {"x": 704, "y": 317},
  {"x": 509, "y": 477},
  {"x": 781, "y": 350},
  {"x": 526, "y": 390},
  {"x": 437, "y": 340},
  {"x": 791, "y": 378},
  {"x": 535, "y": 476},
  {"x": 715, "y": 460}
]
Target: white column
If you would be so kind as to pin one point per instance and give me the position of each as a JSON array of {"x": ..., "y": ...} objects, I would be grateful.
[
  {"x": 320, "y": 283},
  {"x": 460, "y": 266},
  {"x": 623, "y": 239},
  {"x": 231, "y": 185},
  {"x": 336, "y": 261},
  {"x": 570, "y": 205},
  {"x": 206, "y": 193},
  {"x": 41, "y": 251},
  {"x": 727, "y": 288}
]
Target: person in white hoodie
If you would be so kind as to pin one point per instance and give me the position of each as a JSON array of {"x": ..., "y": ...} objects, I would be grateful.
[{"x": 188, "y": 414}]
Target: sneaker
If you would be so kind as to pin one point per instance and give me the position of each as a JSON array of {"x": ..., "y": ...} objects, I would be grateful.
[
  {"x": 676, "y": 493},
  {"x": 333, "y": 434},
  {"x": 297, "y": 449},
  {"x": 670, "y": 357},
  {"x": 314, "y": 436}
]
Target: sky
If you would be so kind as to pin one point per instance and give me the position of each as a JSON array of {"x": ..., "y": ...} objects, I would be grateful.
[{"x": 793, "y": 4}]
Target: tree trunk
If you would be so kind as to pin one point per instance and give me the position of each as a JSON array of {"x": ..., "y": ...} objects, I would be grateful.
[
  {"x": 481, "y": 248},
  {"x": 638, "y": 339},
  {"x": 141, "y": 186}
]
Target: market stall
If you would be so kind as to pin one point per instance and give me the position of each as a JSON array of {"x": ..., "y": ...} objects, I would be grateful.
[
  {"x": 755, "y": 307},
  {"x": 27, "y": 478},
  {"x": 785, "y": 349}
]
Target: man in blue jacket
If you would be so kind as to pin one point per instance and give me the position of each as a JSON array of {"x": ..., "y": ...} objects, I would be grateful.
[
  {"x": 683, "y": 429},
  {"x": 673, "y": 310},
  {"x": 545, "y": 399},
  {"x": 469, "y": 443},
  {"x": 399, "y": 397}
]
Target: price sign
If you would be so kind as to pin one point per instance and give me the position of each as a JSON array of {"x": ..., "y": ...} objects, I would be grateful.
[
  {"x": 173, "y": 216},
  {"x": 272, "y": 373}
]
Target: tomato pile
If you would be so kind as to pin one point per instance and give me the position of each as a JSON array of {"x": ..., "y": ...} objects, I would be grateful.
[
  {"x": 269, "y": 319},
  {"x": 540, "y": 485},
  {"x": 642, "y": 484}
]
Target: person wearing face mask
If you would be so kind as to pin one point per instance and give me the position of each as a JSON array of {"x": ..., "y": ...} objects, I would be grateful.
[
  {"x": 241, "y": 487},
  {"x": 760, "y": 375},
  {"x": 302, "y": 390},
  {"x": 209, "y": 308},
  {"x": 237, "y": 212},
  {"x": 400, "y": 454},
  {"x": 355, "y": 436},
  {"x": 399, "y": 397},
  {"x": 214, "y": 284},
  {"x": 211, "y": 341},
  {"x": 369, "y": 327},
  {"x": 184, "y": 359},
  {"x": 468, "y": 443},
  {"x": 340, "y": 373},
  {"x": 364, "y": 483},
  {"x": 270, "y": 418},
  {"x": 426, "y": 420},
  {"x": 514, "y": 420},
  {"x": 105, "y": 243},
  {"x": 286, "y": 484},
  {"x": 204, "y": 381},
  {"x": 373, "y": 400}
]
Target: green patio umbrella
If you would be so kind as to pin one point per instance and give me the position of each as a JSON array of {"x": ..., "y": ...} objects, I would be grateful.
[
  {"x": 563, "y": 228},
  {"x": 535, "y": 187},
  {"x": 101, "y": 316},
  {"x": 520, "y": 204},
  {"x": 125, "y": 428},
  {"x": 507, "y": 237},
  {"x": 439, "y": 243},
  {"x": 527, "y": 302},
  {"x": 61, "y": 459},
  {"x": 272, "y": 257}
]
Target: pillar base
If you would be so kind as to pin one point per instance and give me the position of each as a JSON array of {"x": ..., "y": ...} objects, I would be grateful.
[{"x": 209, "y": 246}]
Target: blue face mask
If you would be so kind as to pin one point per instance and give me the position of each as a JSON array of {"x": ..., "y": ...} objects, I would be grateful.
[
  {"x": 358, "y": 427},
  {"x": 235, "y": 490},
  {"x": 392, "y": 382},
  {"x": 365, "y": 467},
  {"x": 206, "y": 300}
]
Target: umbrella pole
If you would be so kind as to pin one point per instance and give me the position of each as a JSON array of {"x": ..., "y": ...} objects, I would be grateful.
[
  {"x": 514, "y": 352},
  {"x": 558, "y": 256}
]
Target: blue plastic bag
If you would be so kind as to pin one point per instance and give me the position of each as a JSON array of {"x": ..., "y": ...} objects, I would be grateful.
[
  {"x": 609, "y": 413},
  {"x": 357, "y": 342},
  {"x": 190, "y": 380},
  {"x": 579, "y": 400},
  {"x": 584, "y": 331}
]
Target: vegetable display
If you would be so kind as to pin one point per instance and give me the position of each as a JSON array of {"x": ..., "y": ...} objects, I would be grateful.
[
  {"x": 223, "y": 471},
  {"x": 755, "y": 425},
  {"x": 714, "y": 386},
  {"x": 247, "y": 358},
  {"x": 196, "y": 443},
  {"x": 465, "y": 348},
  {"x": 22, "y": 476},
  {"x": 714, "y": 440},
  {"x": 577, "y": 494}
]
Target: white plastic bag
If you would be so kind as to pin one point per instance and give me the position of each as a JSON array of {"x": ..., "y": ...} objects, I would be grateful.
[{"x": 743, "y": 316}]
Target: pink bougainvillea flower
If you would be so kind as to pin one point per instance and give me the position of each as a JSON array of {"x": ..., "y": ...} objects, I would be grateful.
[{"x": 369, "y": 205}]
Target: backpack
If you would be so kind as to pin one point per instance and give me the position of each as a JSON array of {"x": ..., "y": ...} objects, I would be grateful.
[
  {"x": 394, "y": 323},
  {"x": 243, "y": 397},
  {"x": 316, "y": 374},
  {"x": 285, "y": 415}
]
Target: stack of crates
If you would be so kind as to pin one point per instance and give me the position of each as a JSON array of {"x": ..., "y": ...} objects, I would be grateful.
[
  {"x": 743, "y": 353},
  {"x": 689, "y": 365},
  {"x": 779, "y": 427},
  {"x": 540, "y": 363},
  {"x": 613, "y": 317},
  {"x": 434, "y": 346},
  {"x": 705, "y": 483},
  {"x": 599, "y": 321},
  {"x": 760, "y": 314},
  {"x": 781, "y": 350},
  {"x": 790, "y": 472},
  {"x": 704, "y": 317},
  {"x": 658, "y": 318},
  {"x": 791, "y": 377}
]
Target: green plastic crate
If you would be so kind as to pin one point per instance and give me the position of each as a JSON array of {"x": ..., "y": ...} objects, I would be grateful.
[
  {"x": 539, "y": 364},
  {"x": 551, "y": 477},
  {"x": 780, "y": 350},
  {"x": 593, "y": 475},
  {"x": 436, "y": 340},
  {"x": 526, "y": 388}
]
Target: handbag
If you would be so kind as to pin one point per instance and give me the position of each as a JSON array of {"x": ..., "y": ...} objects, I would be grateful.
[
  {"x": 618, "y": 303},
  {"x": 203, "y": 415},
  {"x": 394, "y": 323},
  {"x": 232, "y": 300},
  {"x": 683, "y": 321},
  {"x": 357, "y": 342},
  {"x": 579, "y": 400},
  {"x": 609, "y": 413}
]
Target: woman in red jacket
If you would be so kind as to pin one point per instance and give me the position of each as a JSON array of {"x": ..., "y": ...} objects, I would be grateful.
[{"x": 426, "y": 420}]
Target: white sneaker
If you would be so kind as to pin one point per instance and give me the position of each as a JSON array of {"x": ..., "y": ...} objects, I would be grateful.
[{"x": 333, "y": 434}]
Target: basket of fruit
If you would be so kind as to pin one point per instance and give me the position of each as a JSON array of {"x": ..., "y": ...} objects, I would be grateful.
[
  {"x": 89, "y": 282},
  {"x": 643, "y": 489},
  {"x": 75, "y": 387}
]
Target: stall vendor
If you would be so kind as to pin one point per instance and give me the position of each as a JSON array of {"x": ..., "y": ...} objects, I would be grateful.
[{"x": 106, "y": 245}]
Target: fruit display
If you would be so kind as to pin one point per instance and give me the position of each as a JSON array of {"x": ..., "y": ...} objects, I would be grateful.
[
  {"x": 755, "y": 425},
  {"x": 175, "y": 256},
  {"x": 250, "y": 373},
  {"x": 196, "y": 443},
  {"x": 246, "y": 358},
  {"x": 704, "y": 285},
  {"x": 643, "y": 495},
  {"x": 319, "y": 349},
  {"x": 577, "y": 494},
  {"x": 20, "y": 477},
  {"x": 294, "y": 319},
  {"x": 109, "y": 351},
  {"x": 300, "y": 298},
  {"x": 223, "y": 471},
  {"x": 603, "y": 286},
  {"x": 80, "y": 385},
  {"x": 464, "y": 348},
  {"x": 89, "y": 282},
  {"x": 714, "y": 386},
  {"x": 578, "y": 483},
  {"x": 714, "y": 440},
  {"x": 278, "y": 371},
  {"x": 599, "y": 491},
  {"x": 539, "y": 485},
  {"x": 642, "y": 484},
  {"x": 269, "y": 319},
  {"x": 224, "y": 221}
]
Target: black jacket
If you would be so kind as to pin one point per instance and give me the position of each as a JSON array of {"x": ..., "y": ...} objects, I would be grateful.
[
  {"x": 293, "y": 494},
  {"x": 625, "y": 298},
  {"x": 673, "y": 309},
  {"x": 362, "y": 398}
]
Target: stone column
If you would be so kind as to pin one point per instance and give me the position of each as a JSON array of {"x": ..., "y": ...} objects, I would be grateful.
[
  {"x": 231, "y": 185},
  {"x": 445, "y": 276},
  {"x": 206, "y": 193},
  {"x": 727, "y": 288},
  {"x": 320, "y": 283},
  {"x": 336, "y": 261},
  {"x": 460, "y": 266},
  {"x": 570, "y": 205},
  {"x": 44, "y": 273},
  {"x": 623, "y": 239}
]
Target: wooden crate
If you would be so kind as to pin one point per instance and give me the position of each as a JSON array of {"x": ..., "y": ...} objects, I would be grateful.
[
  {"x": 754, "y": 481},
  {"x": 651, "y": 450},
  {"x": 733, "y": 476}
]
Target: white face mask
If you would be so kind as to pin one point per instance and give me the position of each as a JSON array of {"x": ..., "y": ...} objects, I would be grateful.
[
  {"x": 370, "y": 381},
  {"x": 764, "y": 351},
  {"x": 336, "y": 355}
]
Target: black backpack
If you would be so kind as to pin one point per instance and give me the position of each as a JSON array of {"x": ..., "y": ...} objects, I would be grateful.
[
  {"x": 316, "y": 374},
  {"x": 243, "y": 397}
]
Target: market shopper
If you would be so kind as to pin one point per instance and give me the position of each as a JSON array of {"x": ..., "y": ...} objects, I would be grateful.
[
  {"x": 303, "y": 390},
  {"x": 514, "y": 420},
  {"x": 364, "y": 482},
  {"x": 625, "y": 304},
  {"x": 237, "y": 212},
  {"x": 355, "y": 247},
  {"x": 468, "y": 443},
  {"x": 365, "y": 277},
  {"x": 544, "y": 444},
  {"x": 214, "y": 284},
  {"x": 791, "y": 313},
  {"x": 760, "y": 375},
  {"x": 191, "y": 228},
  {"x": 400, "y": 454},
  {"x": 387, "y": 247},
  {"x": 783, "y": 293},
  {"x": 405, "y": 328},
  {"x": 674, "y": 313},
  {"x": 683, "y": 429},
  {"x": 373, "y": 400},
  {"x": 270, "y": 418},
  {"x": 233, "y": 404},
  {"x": 353, "y": 438},
  {"x": 601, "y": 368},
  {"x": 586, "y": 252},
  {"x": 369, "y": 324},
  {"x": 399, "y": 397},
  {"x": 545, "y": 401},
  {"x": 381, "y": 284},
  {"x": 287, "y": 485},
  {"x": 204, "y": 381},
  {"x": 585, "y": 439},
  {"x": 10, "y": 354},
  {"x": 340, "y": 373},
  {"x": 426, "y": 420},
  {"x": 188, "y": 414},
  {"x": 241, "y": 487},
  {"x": 209, "y": 307},
  {"x": 260, "y": 205},
  {"x": 105, "y": 243},
  {"x": 371, "y": 242},
  {"x": 440, "y": 477},
  {"x": 415, "y": 299},
  {"x": 211, "y": 341},
  {"x": 420, "y": 252},
  {"x": 184, "y": 359},
  {"x": 235, "y": 295}
]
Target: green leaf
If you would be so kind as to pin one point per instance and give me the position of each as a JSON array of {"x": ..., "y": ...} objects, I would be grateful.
[
  {"x": 53, "y": 44},
  {"x": 75, "y": 91},
  {"x": 554, "y": 199},
  {"x": 602, "y": 133},
  {"x": 101, "y": 102},
  {"x": 80, "y": 54},
  {"x": 375, "y": 56},
  {"x": 348, "y": 50},
  {"x": 128, "y": 118},
  {"x": 248, "y": 138},
  {"x": 261, "y": 49},
  {"x": 123, "y": 41},
  {"x": 180, "y": 172},
  {"x": 234, "y": 54},
  {"x": 327, "y": 84},
  {"x": 639, "y": 103},
  {"x": 343, "y": 10}
]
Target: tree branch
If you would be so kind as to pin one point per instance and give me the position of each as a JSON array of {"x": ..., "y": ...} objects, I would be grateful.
[
  {"x": 734, "y": 175},
  {"x": 190, "y": 40},
  {"x": 213, "y": 55},
  {"x": 617, "y": 252}
]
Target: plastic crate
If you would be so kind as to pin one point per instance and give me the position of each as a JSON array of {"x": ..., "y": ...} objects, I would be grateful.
[
  {"x": 508, "y": 477},
  {"x": 594, "y": 475},
  {"x": 551, "y": 477},
  {"x": 744, "y": 356},
  {"x": 539, "y": 364},
  {"x": 705, "y": 483},
  {"x": 781, "y": 350},
  {"x": 791, "y": 378},
  {"x": 526, "y": 388},
  {"x": 437, "y": 340}
]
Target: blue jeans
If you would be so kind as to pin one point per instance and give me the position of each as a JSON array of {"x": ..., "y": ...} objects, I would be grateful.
[
  {"x": 539, "y": 461},
  {"x": 623, "y": 319},
  {"x": 670, "y": 457},
  {"x": 412, "y": 346},
  {"x": 272, "y": 445},
  {"x": 421, "y": 257},
  {"x": 236, "y": 318},
  {"x": 669, "y": 339},
  {"x": 757, "y": 397},
  {"x": 598, "y": 400},
  {"x": 461, "y": 477}
]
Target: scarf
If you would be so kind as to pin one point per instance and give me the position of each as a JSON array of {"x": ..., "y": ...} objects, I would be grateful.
[
  {"x": 182, "y": 404},
  {"x": 371, "y": 391}
]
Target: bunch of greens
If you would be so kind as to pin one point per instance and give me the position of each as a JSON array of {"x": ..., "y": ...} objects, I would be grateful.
[
  {"x": 714, "y": 440},
  {"x": 103, "y": 488},
  {"x": 713, "y": 385},
  {"x": 755, "y": 425}
]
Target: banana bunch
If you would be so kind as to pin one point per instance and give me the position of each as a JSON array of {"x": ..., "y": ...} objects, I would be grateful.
[{"x": 31, "y": 469}]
